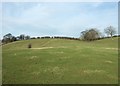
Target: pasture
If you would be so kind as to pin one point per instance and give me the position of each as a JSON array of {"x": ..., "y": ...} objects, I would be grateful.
[{"x": 60, "y": 61}]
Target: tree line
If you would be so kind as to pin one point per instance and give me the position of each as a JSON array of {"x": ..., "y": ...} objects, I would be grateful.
[
  {"x": 10, "y": 38},
  {"x": 87, "y": 35}
]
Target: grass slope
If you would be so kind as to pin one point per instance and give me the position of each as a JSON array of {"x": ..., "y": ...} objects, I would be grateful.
[{"x": 68, "y": 61}]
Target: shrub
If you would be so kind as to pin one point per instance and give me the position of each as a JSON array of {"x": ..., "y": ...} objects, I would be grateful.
[{"x": 29, "y": 46}]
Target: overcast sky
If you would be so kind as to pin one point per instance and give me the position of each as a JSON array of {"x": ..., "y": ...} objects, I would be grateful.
[{"x": 57, "y": 18}]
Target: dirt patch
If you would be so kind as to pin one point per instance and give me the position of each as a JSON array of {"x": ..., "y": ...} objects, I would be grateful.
[
  {"x": 93, "y": 71},
  {"x": 48, "y": 48},
  {"x": 65, "y": 57},
  {"x": 43, "y": 48},
  {"x": 33, "y": 57},
  {"x": 112, "y": 48},
  {"x": 109, "y": 62},
  {"x": 60, "y": 52}
]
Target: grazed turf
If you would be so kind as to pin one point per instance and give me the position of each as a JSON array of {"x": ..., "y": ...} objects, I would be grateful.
[
  {"x": 0, "y": 65},
  {"x": 67, "y": 61}
]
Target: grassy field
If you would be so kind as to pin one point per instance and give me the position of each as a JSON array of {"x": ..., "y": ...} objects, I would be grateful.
[
  {"x": 60, "y": 61},
  {"x": 0, "y": 65}
]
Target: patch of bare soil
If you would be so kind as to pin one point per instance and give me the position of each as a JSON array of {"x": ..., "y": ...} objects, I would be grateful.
[
  {"x": 112, "y": 48},
  {"x": 43, "y": 48},
  {"x": 47, "y": 47}
]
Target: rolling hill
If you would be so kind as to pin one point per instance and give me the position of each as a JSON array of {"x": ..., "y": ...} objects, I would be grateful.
[{"x": 60, "y": 61}]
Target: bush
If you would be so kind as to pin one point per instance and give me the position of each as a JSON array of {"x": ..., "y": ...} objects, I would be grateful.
[{"x": 29, "y": 46}]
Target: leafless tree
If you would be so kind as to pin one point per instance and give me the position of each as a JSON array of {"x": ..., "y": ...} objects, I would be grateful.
[{"x": 110, "y": 31}]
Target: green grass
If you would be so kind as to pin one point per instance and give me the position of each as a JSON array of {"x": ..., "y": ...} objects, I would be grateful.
[
  {"x": 0, "y": 65},
  {"x": 67, "y": 62}
]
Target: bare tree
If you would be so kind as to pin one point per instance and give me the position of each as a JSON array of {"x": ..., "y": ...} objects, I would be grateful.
[{"x": 110, "y": 31}]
